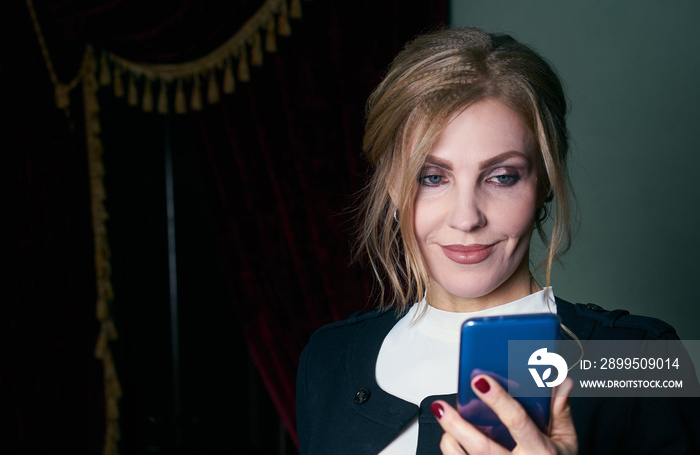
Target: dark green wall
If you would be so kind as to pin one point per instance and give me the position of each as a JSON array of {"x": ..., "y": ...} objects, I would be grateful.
[{"x": 632, "y": 73}]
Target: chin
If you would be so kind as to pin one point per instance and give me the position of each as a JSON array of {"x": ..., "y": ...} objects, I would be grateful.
[{"x": 474, "y": 290}]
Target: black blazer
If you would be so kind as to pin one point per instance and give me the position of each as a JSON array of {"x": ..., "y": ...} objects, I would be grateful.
[{"x": 342, "y": 410}]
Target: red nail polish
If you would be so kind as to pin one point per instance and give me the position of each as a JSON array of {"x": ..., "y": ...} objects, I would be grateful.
[
  {"x": 482, "y": 385},
  {"x": 438, "y": 410}
]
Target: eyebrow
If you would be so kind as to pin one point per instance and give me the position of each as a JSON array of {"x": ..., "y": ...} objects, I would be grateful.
[
  {"x": 483, "y": 165},
  {"x": 439, "y": 162},
  {"x": 502, "y": 157}
]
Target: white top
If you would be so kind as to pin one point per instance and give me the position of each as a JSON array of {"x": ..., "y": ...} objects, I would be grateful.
[{"x": 420, "y": 358}]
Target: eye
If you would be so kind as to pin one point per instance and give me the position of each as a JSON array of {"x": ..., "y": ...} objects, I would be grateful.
[
  {"x": 505, "y": 179},
  {"x": 431, "y": 180},
  {"x": 432, "y": 176}
]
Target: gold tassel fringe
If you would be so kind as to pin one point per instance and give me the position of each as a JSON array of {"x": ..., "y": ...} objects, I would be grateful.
[
  {"x": 246, "y": 46},
  {"x": 105, "y": 293},
  {"x": 88, "y": 76}
]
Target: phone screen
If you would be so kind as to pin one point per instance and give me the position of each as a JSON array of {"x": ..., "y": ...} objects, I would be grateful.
[{"x": 484, "y": 350}]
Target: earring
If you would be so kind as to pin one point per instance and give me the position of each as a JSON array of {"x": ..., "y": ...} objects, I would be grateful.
[{"x": 396, "y": 215}]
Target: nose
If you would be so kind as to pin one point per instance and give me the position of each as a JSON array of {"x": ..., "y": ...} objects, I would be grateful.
[{"x": 466, "y": 213}]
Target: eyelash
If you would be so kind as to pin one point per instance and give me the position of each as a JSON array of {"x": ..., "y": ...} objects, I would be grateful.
[
  {"x": 512, "y": 179},
  {"x": 423, "y": 180}
]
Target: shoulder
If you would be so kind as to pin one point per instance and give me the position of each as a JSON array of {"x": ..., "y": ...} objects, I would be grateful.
[
  {"x": 590, "y": 321},
  {"x": 357, "y": 323},
  {"x": 359, "y": 332}
]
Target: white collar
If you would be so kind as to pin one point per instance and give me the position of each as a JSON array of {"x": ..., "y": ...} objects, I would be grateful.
[{"x": 447, "y": 324}]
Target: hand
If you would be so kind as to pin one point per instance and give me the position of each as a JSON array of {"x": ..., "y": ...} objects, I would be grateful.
[{"x": 461, "y": 437}]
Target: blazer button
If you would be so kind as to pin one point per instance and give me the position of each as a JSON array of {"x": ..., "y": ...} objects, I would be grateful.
[{"x": 362, "y": 396}]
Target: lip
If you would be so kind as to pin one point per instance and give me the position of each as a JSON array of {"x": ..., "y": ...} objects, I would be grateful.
[{"x": 468, "y": 254}]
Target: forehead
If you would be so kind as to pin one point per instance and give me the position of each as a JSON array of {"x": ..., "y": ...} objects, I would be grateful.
[{"x": 482, "y": 130}]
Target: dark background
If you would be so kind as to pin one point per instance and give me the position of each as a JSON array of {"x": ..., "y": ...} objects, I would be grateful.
[{"x": 263, "y": 181}]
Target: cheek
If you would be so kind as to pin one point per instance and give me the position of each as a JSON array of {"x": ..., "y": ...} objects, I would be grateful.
[
  {"x": 421, "y": 224},
  {"x": 515, "y": 217},
  {"x": 428, "y": 215}
]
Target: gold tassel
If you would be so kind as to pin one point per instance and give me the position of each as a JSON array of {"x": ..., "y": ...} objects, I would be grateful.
[
  {"x": 271, "y": 36},
  {"x": 163, "y": 98},
  {"x": 180, "y": 104},
  {"x": 229, "y": 81},
  {"x": 196, "y": 99},
  {"x": 102, "y": 309},
  {"x": 116, "y": 387},
  {"x": 295, "y": 9},
  {"x": 283, "y": 27},
  {"x": 212, "y": 89},
  {"x": 243, "y": 70},
  {"x": 112, "y": 409},
  {"x": 101, "y": 346},
  {"x": 132, "y": 94},
  {"x": 111, "y": 330},
  {"x": 256, "y": 56},
  {"x": 118, "y": 84},
  {"x": 62, "y": 94},
  {"x": 105, "y": 76},
  {"x": 147, "y": 104}
]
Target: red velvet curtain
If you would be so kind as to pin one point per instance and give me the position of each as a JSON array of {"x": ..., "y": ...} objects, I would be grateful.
[
  {"x": 284, "y": 161},
  {"x": 281, "y": 162}
]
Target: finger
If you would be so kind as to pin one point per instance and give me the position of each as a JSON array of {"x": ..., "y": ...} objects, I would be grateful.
[
  {"x": 450, "y": 446},
  {"x": 562, "y": 429},
  {"x": 561, "y": 395},
  {"x": 466, "y": 435},
  {"x": 521, "y": 427}
]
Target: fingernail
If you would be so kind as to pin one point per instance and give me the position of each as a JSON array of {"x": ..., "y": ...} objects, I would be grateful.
[
  {"x": 482, "y": 385},
  {"x": 437, "y": 409}
]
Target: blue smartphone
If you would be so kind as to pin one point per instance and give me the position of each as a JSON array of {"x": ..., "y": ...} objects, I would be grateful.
[{"x": 484, "y": 350}]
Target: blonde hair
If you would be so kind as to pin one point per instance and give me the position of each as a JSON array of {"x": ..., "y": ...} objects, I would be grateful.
[{"x": 433, "y": 77}]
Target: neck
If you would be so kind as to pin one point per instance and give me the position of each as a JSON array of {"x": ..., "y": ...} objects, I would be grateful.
[{"x": 519, "y": 285}]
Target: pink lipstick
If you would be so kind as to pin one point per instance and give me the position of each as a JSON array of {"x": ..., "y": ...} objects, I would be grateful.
[{"x": 467, "y": 254}]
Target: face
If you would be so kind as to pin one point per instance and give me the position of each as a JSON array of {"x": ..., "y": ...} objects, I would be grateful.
[{"x": 475, "y": 209}]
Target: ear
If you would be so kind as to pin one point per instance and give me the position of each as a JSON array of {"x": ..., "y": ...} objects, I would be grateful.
[
  {"x": 545, "y": 196},
  {"x": 392, "y": 185},
  {"x": 393, "y": 194},
  {"x": 544, "y": 193}
]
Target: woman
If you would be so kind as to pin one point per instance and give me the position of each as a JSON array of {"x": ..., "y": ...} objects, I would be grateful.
[{"x": 468, "y": 139}]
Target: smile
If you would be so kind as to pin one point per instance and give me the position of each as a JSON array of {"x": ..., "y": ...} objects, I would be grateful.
[{"x": 468, "y": 254}]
